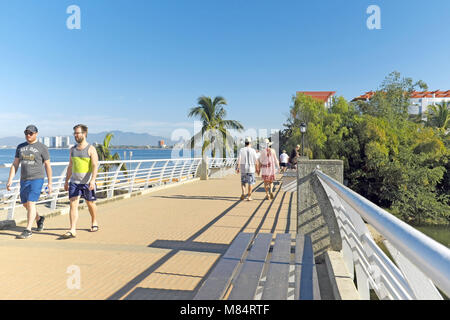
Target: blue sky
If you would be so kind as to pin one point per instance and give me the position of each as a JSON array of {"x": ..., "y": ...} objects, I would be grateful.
[{"x": 140, "y": 65}]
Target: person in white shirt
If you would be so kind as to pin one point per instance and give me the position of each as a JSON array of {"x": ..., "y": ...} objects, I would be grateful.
[
  {"x": 284, "y": 159},
  {"x": 247, "y": 165}
]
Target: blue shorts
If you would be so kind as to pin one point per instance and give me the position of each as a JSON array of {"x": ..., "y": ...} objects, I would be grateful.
[
  {"x": 30, "y": 190},
  {"x": 248, "y": 178},
  {"x": 82, "y": 190}
]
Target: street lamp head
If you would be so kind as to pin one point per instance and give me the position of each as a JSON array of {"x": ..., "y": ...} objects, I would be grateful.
[{"x": 302, "y": 127}]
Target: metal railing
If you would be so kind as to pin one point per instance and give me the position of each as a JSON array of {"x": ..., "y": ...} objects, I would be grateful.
[
  {"x": 420, "y": 263},
  {"x": 120, "y": 177}
]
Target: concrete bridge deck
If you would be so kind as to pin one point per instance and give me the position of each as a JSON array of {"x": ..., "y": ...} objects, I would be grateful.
[{"x": 154, "y": 246}]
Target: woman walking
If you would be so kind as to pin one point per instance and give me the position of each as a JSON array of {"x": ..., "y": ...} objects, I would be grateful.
[{"x": 268, "y": 163}]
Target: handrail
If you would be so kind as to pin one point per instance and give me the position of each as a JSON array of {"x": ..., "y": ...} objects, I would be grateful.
[
  {"x": 431, "y": 257},
  {"x": 141, "y": 174},
  {"x": 62, "y": 163}
]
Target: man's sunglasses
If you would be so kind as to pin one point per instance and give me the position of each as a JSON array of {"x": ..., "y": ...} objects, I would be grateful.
[{"x": 29, "y": 133}]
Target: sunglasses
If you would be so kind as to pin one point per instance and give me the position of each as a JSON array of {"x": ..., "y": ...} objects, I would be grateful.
[{"x": 29, "y": 133}]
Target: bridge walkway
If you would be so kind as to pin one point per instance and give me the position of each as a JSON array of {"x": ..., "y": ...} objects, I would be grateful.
[{"x": 160, "y": 245}]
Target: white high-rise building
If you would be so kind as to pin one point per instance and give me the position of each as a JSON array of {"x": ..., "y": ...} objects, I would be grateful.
[
  {"x": 56, "y": 141},
  {"x": 47, "y": 141},
  {"x": 65, "y": 142}
]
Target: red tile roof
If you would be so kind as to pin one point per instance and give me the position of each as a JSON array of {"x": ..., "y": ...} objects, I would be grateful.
[
  {"x": 414, "y": 94},
  {"x": 429, "y": 94},
  {"x": 319, "y": 95}
]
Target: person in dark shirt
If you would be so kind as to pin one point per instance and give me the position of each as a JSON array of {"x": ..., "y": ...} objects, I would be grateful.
[
  {"x": 294, "y": 157},
  {"x": 33, "y": 156}
]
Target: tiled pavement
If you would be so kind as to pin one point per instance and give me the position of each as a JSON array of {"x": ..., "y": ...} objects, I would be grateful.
[{"x": 154, "y": 246}]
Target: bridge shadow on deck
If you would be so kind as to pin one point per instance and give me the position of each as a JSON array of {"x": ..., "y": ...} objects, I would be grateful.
[
  {"x": 183, "y": 197},
  {"x": 140, "y": 293}
]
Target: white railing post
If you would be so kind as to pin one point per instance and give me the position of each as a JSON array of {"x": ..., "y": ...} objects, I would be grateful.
[
  {"x": 147, "y": 180},
  {"x": 198, "y": 166},
  {"x": 175, "y": 163},
  {"x": 162, "y": 172},
  {"x": 134, "y": 177},
  {"x": 110, "y": 192},
  {"x": 13, "y": 202},
  {"x": 190, "y": 169},
  {"x": 58, "y": 187},
  {"x": 182, "y": 170}
]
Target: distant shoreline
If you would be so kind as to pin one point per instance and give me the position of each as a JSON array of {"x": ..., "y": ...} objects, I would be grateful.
[{"x": 111, "y": 147}]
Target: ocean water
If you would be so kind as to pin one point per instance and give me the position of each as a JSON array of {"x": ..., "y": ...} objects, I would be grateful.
[{"x": 62, "y": 155}]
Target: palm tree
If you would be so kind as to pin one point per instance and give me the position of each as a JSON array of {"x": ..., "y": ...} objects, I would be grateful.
[
  {"x": 212, "y": 114},
  {"x": 104, "y": 154},
  {"x": 439, "y": 115}
]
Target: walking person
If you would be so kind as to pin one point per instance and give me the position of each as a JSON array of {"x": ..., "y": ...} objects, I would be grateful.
[
  {"x": 80, "y": 179},
  {"x": 258, "y": 154},
  {"x": 247, "y": 165},
  {"x": 284, "y": 159},
  {"x": 33, "y": 156},
  {"x": 268, "y": 163},
  {"x": 294, "y": 157}
]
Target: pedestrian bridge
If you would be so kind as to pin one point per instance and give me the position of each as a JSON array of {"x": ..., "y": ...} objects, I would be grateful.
[{"x": 164, "y": 225}]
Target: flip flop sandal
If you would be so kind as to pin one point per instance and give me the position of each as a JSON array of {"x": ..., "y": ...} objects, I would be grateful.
[
  {"x": 68, "y": 235},
  {"x": 94, "y": 228},
  {"x": 242, "y": 197}
]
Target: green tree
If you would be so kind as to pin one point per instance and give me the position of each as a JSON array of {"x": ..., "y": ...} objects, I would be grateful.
[
  {"x": 391, "y": 100},
  {"x": 396, "y": 163},
  {"x": 212, "y": 114},
  {"x": 312, "y": 112}
]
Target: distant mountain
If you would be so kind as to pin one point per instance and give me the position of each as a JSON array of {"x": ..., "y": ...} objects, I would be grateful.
[
  {"x": 11, "y": 141},
  {"x": 120, "y": 139}
]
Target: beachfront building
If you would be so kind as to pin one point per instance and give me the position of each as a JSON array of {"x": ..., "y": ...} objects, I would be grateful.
[
  {"x": 65, "y": 143},
  {"x": 418, "y": 101},
  {"x": 56, "y": 141},
  {"x": 161, "y": 144},
  {"x": 325, "y": 96},
  {"x": 45, "y": 140}
]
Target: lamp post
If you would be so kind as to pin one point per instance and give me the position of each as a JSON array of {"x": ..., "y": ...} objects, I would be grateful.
[{"x": 303, "y": 131}]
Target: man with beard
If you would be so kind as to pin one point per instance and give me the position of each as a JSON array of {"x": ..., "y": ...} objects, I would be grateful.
[
  {"x": 80, "y": 179},
  {"x": 33, "y": 156}
]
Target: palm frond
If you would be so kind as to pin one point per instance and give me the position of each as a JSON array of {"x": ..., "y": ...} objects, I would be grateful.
[{"x": 232, "y": 124}]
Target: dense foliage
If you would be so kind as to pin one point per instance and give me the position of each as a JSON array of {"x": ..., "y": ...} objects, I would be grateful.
[{"x": 399, "y": 164}]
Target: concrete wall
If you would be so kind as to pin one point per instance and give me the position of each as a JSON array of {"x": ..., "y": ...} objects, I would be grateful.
[{"x": 315, "y": 216}]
